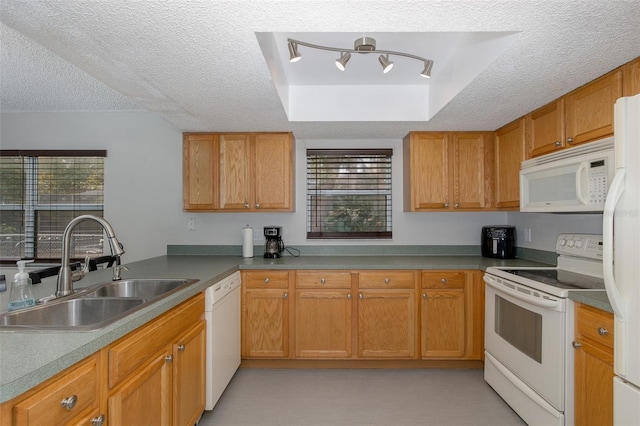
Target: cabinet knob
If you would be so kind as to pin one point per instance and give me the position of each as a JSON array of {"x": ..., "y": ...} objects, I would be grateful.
[
  {"x": 576, "y": 344},
  {"x": 557, "y": 143},
  {"x": 246, "y": 205},
  {"x": 98, "y": 421},
  {"x": 602, "y": 331},
  {"x": 446, "y": 205},
  {"x": 322, "y": 281},
  {"x": 168, "y": 358},
  {"x": 348, "y": 296},
  {"x": 69, "y": 402},
  {"x": 569, "y": 140},
  {"x": 424, "y": 295},
  {"x": 266, "y": 280},
  {"x": 181, "y": 348},
  {"x": 360, "y": 296},
  {"x": 257, "y": 205},
  {"x": 387, "y": 280},
  {"x": 284, "y": 296},
  {"x": 443, "y": 280},
  {"x": 457, "y": 205}
]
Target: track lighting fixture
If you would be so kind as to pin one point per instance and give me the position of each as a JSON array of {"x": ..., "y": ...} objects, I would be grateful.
[
  {"x": 294, "y": 55},
  {"x": 362, "y": 45},
  {"x": 342, "y": 62},
  {"x": 386, "y": 63}
]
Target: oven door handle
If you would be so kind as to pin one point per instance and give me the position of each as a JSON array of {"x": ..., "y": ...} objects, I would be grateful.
[{"x": 536, "y": 301}]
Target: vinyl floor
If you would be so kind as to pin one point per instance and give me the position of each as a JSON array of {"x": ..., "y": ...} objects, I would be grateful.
[{"x": 371, "y": 397}]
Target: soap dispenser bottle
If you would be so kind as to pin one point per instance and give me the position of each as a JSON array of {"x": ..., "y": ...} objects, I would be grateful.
[{"x": 20, "y": 295}]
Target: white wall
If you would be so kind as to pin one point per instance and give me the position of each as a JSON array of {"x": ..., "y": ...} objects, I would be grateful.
[
  {"x": 143, "y": 188},
  {"x": 545, "y": 227}
]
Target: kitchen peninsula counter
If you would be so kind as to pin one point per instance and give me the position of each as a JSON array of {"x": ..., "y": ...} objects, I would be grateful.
[{"x": 27, "y": 358}]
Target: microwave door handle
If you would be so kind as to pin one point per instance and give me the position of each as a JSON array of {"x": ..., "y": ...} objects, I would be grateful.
[
  {"x": 536, "y": 301},
  {"x": 615, "y": 191},
  {"x": 581, "y": 169}
]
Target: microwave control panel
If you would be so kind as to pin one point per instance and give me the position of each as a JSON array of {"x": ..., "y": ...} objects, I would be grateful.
[{"x": 598, "y": 184}]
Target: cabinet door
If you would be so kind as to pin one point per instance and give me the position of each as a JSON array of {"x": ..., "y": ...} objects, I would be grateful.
[
  {"x": 273, "y": 165},
  {"x": 387, "y": 323},
  {"x": 593, "y": 386},
  {"x": 631, "y": 77},
  {"x": 545, "y": 129},
  {"x": 199, "y": 172},
  {"x": 234, "y": 172},
  {"x": 323, "y": 323},
  {"x": 471, "y": 162},
  {"x": 509, "y": 155},
  {"x": 188, "y": 378},
  {"x": 443, "y": 323},
  {"x": 266, "y": 323},
  {"x": 428, "y": 156},
  {"x": 589, "y": 109},
  {"x": 145, "y": 398}
]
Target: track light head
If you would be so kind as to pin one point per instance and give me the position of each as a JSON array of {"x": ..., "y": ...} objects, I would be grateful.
[
  {"x": 386, "y": 63},
  {"x": 342, "y": 62},
  {"x": 294, "y": 55},
  {"x": 426, "y": 72}
]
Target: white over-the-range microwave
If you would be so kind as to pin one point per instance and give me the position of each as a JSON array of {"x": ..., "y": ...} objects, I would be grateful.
[{"x": 572, "y": 180}]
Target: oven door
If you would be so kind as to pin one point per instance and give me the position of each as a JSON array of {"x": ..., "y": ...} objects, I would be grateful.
[{"x": 525, "y": 332}]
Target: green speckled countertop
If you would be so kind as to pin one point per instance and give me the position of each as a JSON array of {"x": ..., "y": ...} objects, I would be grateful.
[{"x": 30, "y": 357}]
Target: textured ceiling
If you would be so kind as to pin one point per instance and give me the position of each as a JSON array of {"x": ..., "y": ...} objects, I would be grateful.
[{"x": 199, "y": 65}]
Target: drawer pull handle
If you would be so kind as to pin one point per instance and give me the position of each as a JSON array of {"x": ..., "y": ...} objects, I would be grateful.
[
  {"x": 266, "y": 280},
  {"x": 180, "y": 348},
  {"x": 322, "y": 281},
  {"x": 387, "y": 280},
  {"x": 98, "y": 421},
  {"x": 168, "y": 358},
  {"x": 575, "y": 344},
  {"x": 602, "y": 331},
  {"x": 69, "y": 402}
]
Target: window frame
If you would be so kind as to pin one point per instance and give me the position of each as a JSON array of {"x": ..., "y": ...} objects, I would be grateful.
[{"x": 387, "y": 194}]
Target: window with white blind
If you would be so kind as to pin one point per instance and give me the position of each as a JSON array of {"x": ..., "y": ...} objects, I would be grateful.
[
  {"x": 349, "y": 193},
  {"x": 40, "y": 193}
]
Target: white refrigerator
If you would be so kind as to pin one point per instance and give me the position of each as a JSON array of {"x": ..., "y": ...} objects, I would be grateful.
[{"x": 621, "y": 260}]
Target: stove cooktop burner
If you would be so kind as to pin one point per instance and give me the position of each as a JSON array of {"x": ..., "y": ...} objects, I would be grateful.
[{"x": 560, "y": 279}]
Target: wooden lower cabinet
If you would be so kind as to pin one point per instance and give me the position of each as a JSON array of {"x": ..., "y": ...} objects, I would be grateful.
[
  {"x": 152, "y": 376},
  {"x": 593, "y": 367},
  {"x": 452, "y": 315},
  {"x": 265, "y": 314}
]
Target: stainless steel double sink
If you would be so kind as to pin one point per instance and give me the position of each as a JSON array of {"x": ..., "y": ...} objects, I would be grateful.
[{"x": 94, "y": 307}]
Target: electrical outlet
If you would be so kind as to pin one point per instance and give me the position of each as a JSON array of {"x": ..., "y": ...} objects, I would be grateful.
[
  {"x": 191, "y": 224},
  {"x": 527, "y": 235},
  {"x": 256, "y": 236}
]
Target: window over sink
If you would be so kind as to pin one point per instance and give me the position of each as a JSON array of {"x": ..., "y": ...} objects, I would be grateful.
[{"x": 40, "y": 192}]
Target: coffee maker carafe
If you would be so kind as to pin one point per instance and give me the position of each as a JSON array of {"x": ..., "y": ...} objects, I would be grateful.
[{"x": 273, "y": 244}]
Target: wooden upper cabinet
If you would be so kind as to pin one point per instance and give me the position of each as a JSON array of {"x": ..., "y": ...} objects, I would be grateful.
[
  {"x": 509, "y": 152},
  {"x": 199, "y": 171},
  {"x": 589, "y": 109},
  {"x": 448, "y": 171},
  {"x": 243, "y": 172},
  {"x": 631, "y": 78},
  {"x": 545, "y": 129},
  {"x": 234, "y": 168}
]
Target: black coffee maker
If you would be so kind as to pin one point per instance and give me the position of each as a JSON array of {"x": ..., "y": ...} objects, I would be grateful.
[{"x": 273, "y": 244}]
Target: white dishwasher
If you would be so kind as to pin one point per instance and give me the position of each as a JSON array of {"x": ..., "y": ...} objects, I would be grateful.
[{"x": 222, "y": 313}]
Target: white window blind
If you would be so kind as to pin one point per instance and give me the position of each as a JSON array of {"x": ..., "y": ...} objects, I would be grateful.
[
  {"x": 349, "y": 193},
  {"x": 40, "y": 192}
]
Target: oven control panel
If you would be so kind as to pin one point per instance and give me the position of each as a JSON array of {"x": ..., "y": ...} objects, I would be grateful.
[{"x": 580, "y": 245}]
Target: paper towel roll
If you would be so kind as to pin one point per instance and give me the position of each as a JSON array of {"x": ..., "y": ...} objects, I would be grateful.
[{"x": 247, "y": 241}]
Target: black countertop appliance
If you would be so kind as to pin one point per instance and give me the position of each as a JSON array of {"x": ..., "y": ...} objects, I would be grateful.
[{"x": 499, "y": 241}]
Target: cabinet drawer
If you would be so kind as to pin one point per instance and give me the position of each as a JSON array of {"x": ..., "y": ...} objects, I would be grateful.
[
  {"x": 45, "y": 406},
  {"x": 595, "y": 324},
  {"x": 266, "y": 279},
  {"x": 134, "y": 350},
  {"x": 323, "y": 279},
  {"x": 387, "y": 279},
  {"x": 443, "y": 279}
]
